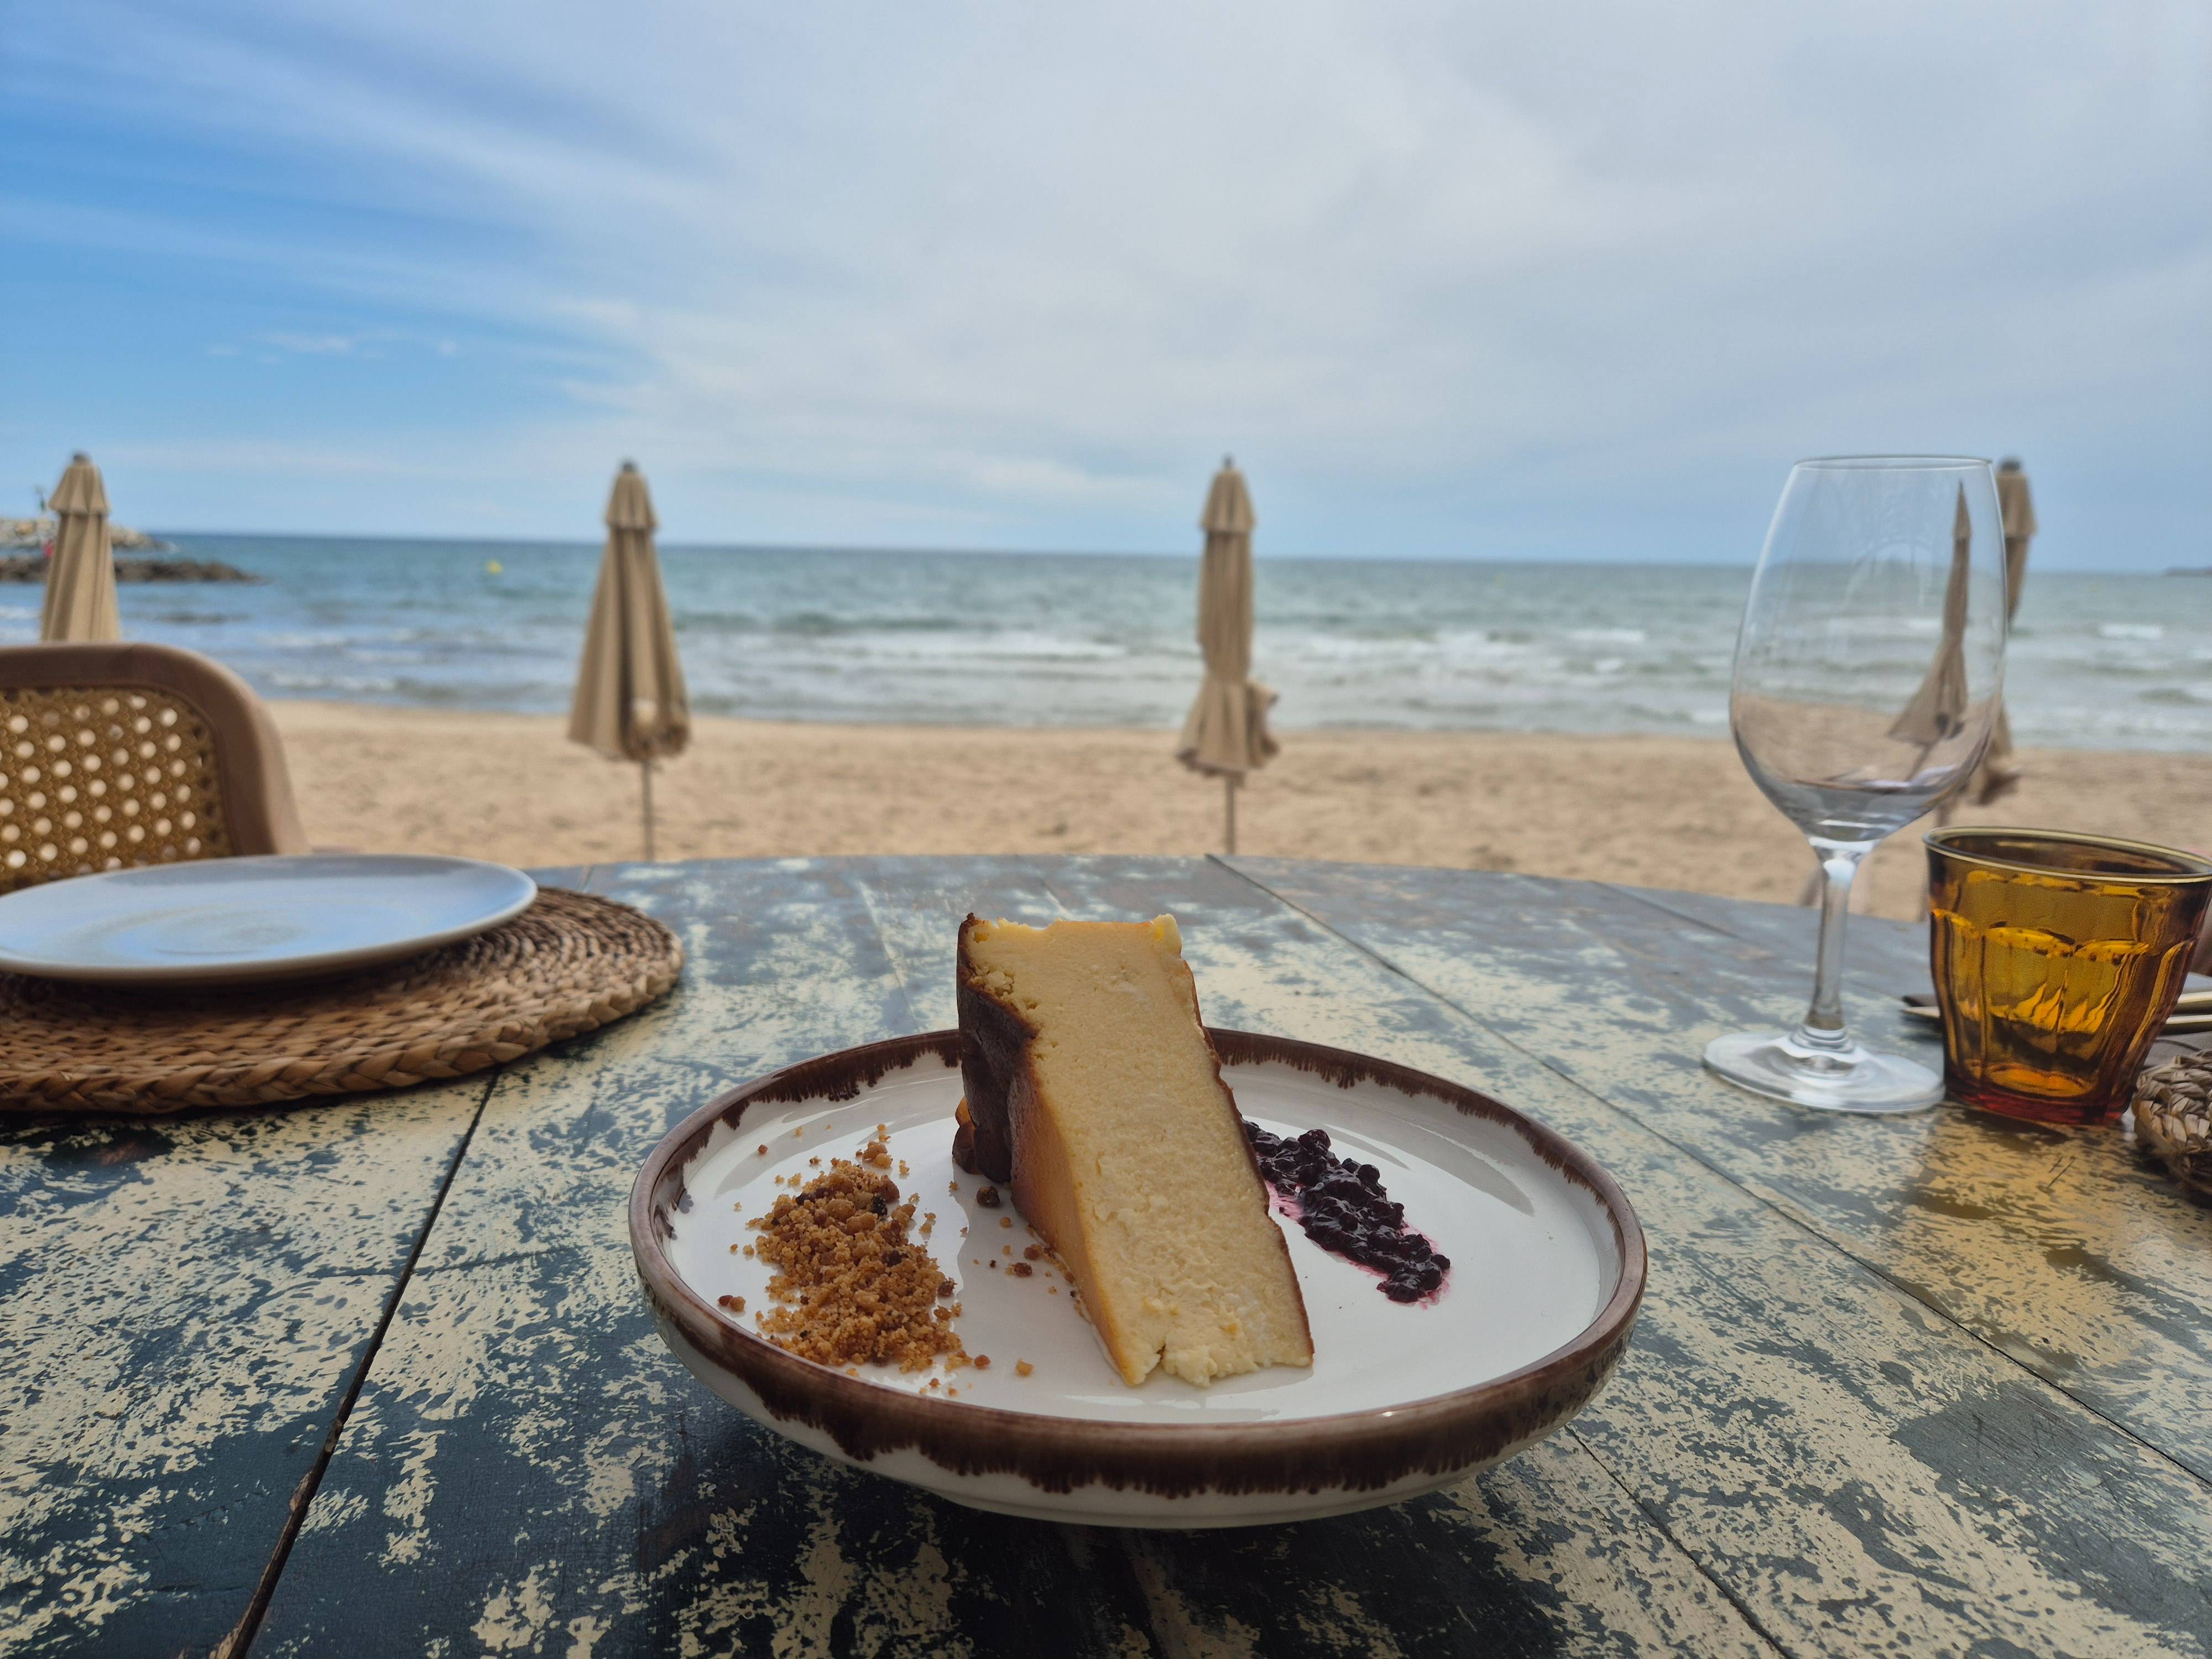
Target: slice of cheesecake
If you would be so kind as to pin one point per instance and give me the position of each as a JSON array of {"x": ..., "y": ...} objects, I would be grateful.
[{"x": 1095, "y": 1093}]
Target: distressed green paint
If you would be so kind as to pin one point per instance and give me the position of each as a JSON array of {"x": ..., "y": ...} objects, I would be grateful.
[
  {"x": 2056, "y": 1248},
  {"x": 1807, "y": 1450},
  {"x": 183, "y": 1304}
]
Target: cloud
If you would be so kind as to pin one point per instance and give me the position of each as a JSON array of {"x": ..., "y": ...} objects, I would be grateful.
[
  {"x": 313, "y": 345},
  {"x": 1444, "y": 272}
]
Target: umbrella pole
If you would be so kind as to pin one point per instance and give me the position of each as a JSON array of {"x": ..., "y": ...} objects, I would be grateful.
[
  {"x": 644, "y": 773},
  {"x": 1229, "y": 811}
]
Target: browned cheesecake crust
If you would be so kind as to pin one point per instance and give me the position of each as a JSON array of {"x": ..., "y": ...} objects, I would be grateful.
[{"x": 994, "y": 1055}]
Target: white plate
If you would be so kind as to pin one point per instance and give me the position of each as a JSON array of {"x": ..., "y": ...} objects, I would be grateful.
[
  {"x": 1548, "y": 1267},
  {"x": 232, "y": 922}
]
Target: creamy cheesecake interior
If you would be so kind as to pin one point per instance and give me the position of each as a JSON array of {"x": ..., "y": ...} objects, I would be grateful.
[{"x": 1088, "y": 1067}]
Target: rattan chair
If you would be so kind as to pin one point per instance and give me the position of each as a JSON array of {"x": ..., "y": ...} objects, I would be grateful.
[{"x": 114, "y": 754}]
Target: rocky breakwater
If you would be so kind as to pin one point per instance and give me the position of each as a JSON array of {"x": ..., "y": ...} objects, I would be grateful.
[
  {"x": 32, "y": 567},
  {"x": 37, "y": 533},
  {"x": 25, "y": 561}
]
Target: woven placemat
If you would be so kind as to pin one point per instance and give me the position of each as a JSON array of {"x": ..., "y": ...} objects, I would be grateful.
[
  {"x": 569, "y": 964},
  {"x": 2173, "y": 1118}
]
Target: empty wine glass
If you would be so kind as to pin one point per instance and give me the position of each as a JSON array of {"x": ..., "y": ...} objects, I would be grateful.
[{"x": 1867, "y": 675}]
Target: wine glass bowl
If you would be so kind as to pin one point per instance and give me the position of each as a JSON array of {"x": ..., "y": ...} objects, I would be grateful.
[{"x": 1866, "y": 682}]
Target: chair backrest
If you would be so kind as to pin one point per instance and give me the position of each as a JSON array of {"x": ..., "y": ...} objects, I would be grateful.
[{"x": 118, "y": 754}]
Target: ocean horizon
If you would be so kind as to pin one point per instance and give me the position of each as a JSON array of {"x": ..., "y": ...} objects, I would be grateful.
[{"x": 2097, "y": 661}]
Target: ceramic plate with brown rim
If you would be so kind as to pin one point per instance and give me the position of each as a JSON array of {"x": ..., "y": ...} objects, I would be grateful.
[{"x": 1547, "y": 1271}]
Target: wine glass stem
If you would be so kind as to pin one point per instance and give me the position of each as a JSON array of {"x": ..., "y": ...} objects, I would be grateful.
[{"x": 1823, "y": 1027}]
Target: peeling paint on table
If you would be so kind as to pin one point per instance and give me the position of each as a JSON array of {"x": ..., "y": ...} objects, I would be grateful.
[
  {"x": 1874, "y": 1406},
  {"x": 2055, "y": 1246}
]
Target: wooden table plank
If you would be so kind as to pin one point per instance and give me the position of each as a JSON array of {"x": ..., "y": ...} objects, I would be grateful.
[
  {"x": 183, "y": 1303},
  {"x": 1860, "y": 1475},
  {"x": 2057, "y": 1247},
  {"x": 529, "y": 1469}
]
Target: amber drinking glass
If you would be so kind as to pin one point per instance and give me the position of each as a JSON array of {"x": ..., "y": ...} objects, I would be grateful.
[{"x": 2056, "y": 959}]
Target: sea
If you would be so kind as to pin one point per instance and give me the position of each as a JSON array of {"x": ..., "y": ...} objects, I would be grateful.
[{"x": 2105, "y": 661}]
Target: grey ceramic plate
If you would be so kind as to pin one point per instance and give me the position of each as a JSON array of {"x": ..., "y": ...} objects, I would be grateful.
[
  {"x": 1548, "y": 1270},
  {"x": 235, "y": 922}
]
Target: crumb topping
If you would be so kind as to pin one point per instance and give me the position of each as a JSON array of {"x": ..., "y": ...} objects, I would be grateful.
[{"x": 851, "y": 1287}]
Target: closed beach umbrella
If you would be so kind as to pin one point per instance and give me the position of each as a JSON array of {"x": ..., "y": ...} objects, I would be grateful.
[
  {"x": 1938, "y": 707},
  {"x": 1999, "y": 776},
  {"x": 1935, "y": 709},
  {"x": 1226, "y": 734},
  {"x": 631, "y": 703},
  {"x": 81, "y": 575}
]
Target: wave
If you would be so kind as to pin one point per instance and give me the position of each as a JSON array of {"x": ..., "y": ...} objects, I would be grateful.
[{"x": 1109, "y": 641}]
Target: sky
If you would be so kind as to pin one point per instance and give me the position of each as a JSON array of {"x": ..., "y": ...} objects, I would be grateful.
[{"x": 1467, "y": 280}]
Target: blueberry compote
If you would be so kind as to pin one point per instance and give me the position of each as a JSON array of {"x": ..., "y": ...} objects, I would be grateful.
[{"x": 1343, "y": 1208}]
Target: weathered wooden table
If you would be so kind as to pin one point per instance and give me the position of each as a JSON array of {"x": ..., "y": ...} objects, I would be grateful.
[{"x": 375, "y": 1377}]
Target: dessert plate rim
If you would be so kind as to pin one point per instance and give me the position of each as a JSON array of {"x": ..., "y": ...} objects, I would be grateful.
[{"x": 1378, "y": 1449}]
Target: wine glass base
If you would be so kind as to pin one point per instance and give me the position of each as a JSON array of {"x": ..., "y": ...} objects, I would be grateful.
[{"x": 1855, "y": 1079}]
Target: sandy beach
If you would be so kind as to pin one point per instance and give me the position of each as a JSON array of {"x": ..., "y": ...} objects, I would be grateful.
[{"x": 1655, "y": 812}]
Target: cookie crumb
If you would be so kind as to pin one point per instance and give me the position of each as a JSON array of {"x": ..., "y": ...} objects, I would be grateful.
[
  {"x": 853, "y": 1287},
  {"x": 987, "y": 1197},
  {"x": 762, "y": 1149},
  {"x": 1022, "y": 1368},
  {"x": 1005, "y": 1221},
  {"x": 982, "y": 1362},
  {"x": 734, "y": 1304},
  {"x": 1020, "y": 1269},
  {"x": 1032, "y": 1253}
]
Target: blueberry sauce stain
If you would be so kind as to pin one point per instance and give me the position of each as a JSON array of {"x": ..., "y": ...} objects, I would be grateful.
[{"x": 1343, "y": 1208}]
